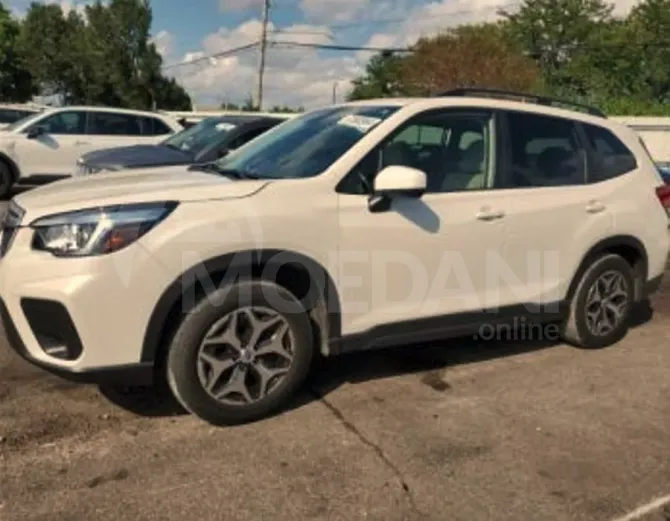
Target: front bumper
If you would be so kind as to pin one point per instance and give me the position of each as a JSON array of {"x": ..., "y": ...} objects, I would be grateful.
[
  {"x": 137, "y": 374},
  {"x": 83, "y": 319}
]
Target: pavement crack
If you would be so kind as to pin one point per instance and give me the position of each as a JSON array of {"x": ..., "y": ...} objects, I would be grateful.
[{"x": 347, "y": 424}]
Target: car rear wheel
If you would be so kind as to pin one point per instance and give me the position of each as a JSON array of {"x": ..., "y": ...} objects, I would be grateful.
[
  {"x": 241, "y": 353},
  {"x": 601, "y": 306}
]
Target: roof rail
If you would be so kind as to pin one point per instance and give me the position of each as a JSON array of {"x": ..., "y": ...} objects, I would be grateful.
[{"x": 524, "y": 97}]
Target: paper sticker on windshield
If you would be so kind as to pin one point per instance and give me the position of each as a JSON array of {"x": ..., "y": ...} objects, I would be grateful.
[
  {"x": 224, "y": 126},
  {"x": 362, "y": 123}
]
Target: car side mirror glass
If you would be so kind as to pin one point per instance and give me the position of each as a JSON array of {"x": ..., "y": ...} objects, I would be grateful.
[{"x": 36, "y": 131}]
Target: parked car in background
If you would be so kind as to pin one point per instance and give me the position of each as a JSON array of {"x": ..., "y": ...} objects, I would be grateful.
[
  {"x": 11, "y": 113},
  {"x": 664, "y": 168},
  {"x": 230, "y": 281},
  {"x": 45, "y": 146},
  {"x": 204, "y": 142}
]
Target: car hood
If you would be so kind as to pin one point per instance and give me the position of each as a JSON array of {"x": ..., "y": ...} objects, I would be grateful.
[
  {"x": 133, "y": 186},
  {"x": 136, "y": 156}
]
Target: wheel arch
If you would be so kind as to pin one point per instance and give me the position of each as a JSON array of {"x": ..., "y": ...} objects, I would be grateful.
[
  {"x": 13, "y": 167},
  {"x": 628, "y": 247},
  {"x": 321, "y": 299}
]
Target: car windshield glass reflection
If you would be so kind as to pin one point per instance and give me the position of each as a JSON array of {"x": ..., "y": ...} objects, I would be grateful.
[{"x": 306, "y": 145}]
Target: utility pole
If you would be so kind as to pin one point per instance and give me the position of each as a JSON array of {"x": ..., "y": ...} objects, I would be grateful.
[
  {"x": 261, "y": 63},
  {"x": 334, "y": 93}
]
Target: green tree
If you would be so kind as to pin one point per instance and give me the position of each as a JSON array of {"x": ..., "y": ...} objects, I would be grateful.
[
  {"x": 42, "y": 46},
  {"x": 554, "y": 32},
  {"x": 649, "y": 21},
  {"x": 480, "y": 55},
  {"x": 380, "y": 79},
  {"x": 15, "y": 80},
  {"x": 108, "y": 59}
]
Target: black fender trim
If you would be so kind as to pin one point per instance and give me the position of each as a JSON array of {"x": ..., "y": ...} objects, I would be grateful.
[
  {"x": 616, "y": 241},
  {"x": 236, "y": 265}
]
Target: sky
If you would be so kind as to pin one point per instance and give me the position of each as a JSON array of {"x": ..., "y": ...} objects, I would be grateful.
[{"x": 184, "y": 30}]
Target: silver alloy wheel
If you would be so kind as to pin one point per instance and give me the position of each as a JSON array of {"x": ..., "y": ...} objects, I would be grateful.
[
  {"x": 606, "y": 303},
  {"x": 245, "y": 355}
]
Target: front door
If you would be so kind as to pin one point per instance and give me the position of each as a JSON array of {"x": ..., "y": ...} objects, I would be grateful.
[
  {"x": 425, "y": 257},
  {"x": 54, "y": 151}
]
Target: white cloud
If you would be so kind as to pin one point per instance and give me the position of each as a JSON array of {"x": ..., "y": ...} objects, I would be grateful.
[
  {"x": 164, "y": 42},
  {"x": 294, "y": 76},
  {"x": 303, "y": 76},
  {"x": 239, "y": 5},
  {"x": 332, "y": 10}
]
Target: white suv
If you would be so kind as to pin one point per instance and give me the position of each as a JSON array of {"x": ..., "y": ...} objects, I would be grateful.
[
  {"x": 351, "y": 227},
  {"x": 45, "y": 146}
]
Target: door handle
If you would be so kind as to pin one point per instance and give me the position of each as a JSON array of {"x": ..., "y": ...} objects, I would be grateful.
[
  {"x": 486, "y": 214},
  {"x": 595, "y": 207}
]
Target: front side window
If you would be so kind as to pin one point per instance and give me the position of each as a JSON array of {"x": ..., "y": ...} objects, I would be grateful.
[
  {"x": 306, "y": 145},
  {"x": 543, "y": 151},
  {"x": 31, "y": 116},
  {"x": 194, "y": 139},
  {"x": 612, "y": 157},
  {"x": 111, "y": 124},
  {"x": 66, "y": 122},
  {"x": 451, "y": 148}
]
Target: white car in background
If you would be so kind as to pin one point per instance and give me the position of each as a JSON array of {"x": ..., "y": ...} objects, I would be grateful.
[
  {"x": 13, "y": 112},
  {"x": 45, "y": 146}
]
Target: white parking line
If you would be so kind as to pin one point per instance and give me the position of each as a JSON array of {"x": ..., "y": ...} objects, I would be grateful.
[{"x": 643, "y": 510}]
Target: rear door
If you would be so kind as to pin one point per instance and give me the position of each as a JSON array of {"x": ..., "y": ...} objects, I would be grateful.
[
  {"x": 552, "y": 215},
  {"x": 111, "y": 129}
]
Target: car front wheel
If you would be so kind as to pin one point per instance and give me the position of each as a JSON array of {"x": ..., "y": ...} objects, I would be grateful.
[{"x": 240, "y": 353}]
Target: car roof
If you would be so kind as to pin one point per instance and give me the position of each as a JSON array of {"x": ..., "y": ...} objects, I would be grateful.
[
  {"x": 244, "y": 119},
  {"x": 436, "y": 102},
  {"x": 112, "y": 110}
]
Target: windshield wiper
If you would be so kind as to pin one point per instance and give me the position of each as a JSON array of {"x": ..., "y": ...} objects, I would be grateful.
[{"x": 228, "y": 172}]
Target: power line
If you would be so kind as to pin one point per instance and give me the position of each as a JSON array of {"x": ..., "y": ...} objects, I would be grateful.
[
  {"x": 334, "y": 47},
  {"x": 222, "y": 54}
]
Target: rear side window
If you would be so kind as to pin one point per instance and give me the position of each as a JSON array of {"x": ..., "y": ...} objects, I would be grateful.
[
  {"x": 155, "y": 127},
  {"x": 612, "y": 157},
  {"x": 543, "y": 151},
  {"x": 11, "y": 115},
  {"x": 111, "y": 124}
]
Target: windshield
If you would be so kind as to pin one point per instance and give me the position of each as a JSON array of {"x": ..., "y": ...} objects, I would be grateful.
[
  {"x": 306, "y": 145},
  {"x": 197, "y": 137},
  {"x": 23, "y": 121}
]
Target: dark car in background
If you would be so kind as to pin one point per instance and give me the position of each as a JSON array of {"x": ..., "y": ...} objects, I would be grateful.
[
  {"x": 207, "y": 141},
  {"x": 664, "y": 169}
]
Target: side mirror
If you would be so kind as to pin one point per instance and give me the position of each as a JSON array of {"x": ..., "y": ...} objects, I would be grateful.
[
  {"x": 35, "y": 132},
  {"x": 396, "y": 181}
]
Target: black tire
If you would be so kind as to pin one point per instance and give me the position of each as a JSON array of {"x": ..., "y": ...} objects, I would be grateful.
[
  {"x": 6, "y": 180},
  {"x": 575, "y": 330},
  {"x": 181, "y": 365}
]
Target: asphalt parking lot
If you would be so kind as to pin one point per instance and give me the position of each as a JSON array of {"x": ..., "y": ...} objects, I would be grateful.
[{"x": 500, "y": 430}]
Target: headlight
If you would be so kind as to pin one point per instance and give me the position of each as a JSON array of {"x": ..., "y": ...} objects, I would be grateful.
[{"x": 97, "y": 231}]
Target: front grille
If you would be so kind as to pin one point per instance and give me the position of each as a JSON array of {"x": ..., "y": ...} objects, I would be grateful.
[{"x": 11, "y": 223}]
